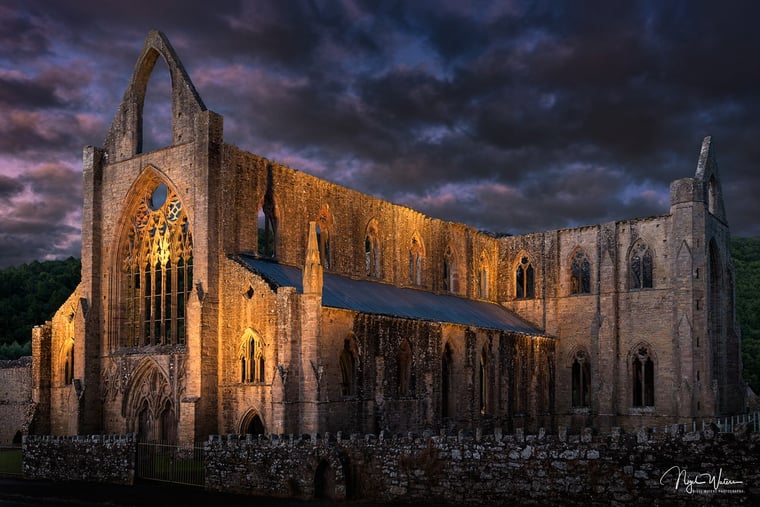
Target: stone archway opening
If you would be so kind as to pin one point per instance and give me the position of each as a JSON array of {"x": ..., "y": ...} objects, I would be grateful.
[
  {"x": 324, "y": 482},
  {"x": 253, "y": 424}
]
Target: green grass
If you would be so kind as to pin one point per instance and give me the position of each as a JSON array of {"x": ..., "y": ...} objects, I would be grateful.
[{"x": 10, "y": 461}]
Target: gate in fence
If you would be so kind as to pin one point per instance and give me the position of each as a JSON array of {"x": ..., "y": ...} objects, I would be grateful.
[{"x": 169, "y": 462}]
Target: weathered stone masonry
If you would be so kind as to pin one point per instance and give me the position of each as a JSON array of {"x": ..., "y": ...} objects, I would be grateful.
[
  {"x": 464, "y": 470},
  {"x": 225, "y": 293}
]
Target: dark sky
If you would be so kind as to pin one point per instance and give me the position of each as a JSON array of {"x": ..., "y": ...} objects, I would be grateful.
[{"x": 511, "y": 116}]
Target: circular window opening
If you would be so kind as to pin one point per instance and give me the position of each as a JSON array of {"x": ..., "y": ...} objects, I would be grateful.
[{"x": 158, "y": 197}]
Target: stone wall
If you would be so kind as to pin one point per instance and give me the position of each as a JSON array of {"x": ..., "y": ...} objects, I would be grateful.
[
  {"x": 16, "y": 405},
  {"x": 496, "y": 469},
  {"x": 97, "y": 458}
]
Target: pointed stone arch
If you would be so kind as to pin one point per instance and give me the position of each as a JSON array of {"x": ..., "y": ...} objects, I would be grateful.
[
  {"x": 66, "y": 360},
  {"x": 451, "y": 266},
  {"x": 252, "y": 357},
  {"x": 484, "y": 274},
  {"x": 149, "y": 406},
  {"x": 579, "y": 360},
  {"x": 524, "y": 276},
  {"x": 640, "y": 265},
  {"x": 579, "y": 268},
  {"x": 684, "y": 261},
  {"x": 252, "y": 423},
  {"x": 373, "y": 261},
  {"x": 154, "y": 260},
  {"x": 642, "y": 364},
  {"x": 416, "y": 259},
  {"x": 124, "y": 139},
  {"x": 267, "y": 219}
]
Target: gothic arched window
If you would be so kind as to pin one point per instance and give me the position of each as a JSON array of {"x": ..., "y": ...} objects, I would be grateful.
[
  {"x": 449, "y": 270},
  {"x": 251, "y": 355},
  {"x": 581, "y": 381},
  {"x": 267, "y": 232},
  {"x": 525, "y": 280},
  {"x": 483, "y": 277},
  {"x": 580, "y": 274},
  {"x": 372, "y": 250},
  {"x": 68, "y": 362},
  {"x": 416, "y": 253},
  {"x": 643, "y": 378},
  {"x": 641, "y": 266},
  {"x": 157, "y": 270}
]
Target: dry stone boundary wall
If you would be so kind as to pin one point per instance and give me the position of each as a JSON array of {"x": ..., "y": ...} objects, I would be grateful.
[{"x": 648, "y": 467}]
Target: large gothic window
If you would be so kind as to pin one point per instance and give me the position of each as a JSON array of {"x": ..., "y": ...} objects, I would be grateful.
[
  {"x": 525, "y": 280},
  {"x": 251, "y": 355},
  {"x": 156, "y": 265},
  {"x": 641, "y": 266},
  {"x": 372, "y": 261},
  {"x": 581, "y": 381},
  {"x": 580, "y": 274},
  {"x": 643, "y": 378}
]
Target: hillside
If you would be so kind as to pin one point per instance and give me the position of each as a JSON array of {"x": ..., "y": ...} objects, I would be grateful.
[
  {"x": 745, "y": 253},
  {"x": 29, "y": 295}
]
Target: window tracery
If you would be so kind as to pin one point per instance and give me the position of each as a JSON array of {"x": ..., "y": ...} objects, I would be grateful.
[
  {"x": 525, "y": 280},
  {"x": 251, "y": 355},
  {"x": 580, "y": 274},
  {"x": 156, "y": 265},
  {"x": 641, "y": 266}
]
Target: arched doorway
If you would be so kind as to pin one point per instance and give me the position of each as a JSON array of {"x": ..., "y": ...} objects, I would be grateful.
[
  {"x": 148, "y": 404},
  {"x": 252, "y": 424},
  {"x": 324, "y": 481}
]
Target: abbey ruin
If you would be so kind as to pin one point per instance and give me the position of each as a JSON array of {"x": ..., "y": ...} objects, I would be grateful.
[{"x": 224, "y": 293}]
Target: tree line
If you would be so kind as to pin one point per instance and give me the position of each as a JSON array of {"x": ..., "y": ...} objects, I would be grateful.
[{"x": 31, "y": 293}]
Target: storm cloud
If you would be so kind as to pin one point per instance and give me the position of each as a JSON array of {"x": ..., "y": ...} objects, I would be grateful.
[{"x": 514, "y": 117}]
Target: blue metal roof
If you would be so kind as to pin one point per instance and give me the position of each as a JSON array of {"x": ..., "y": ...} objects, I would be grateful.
[{"x": 383, "y": 299}]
